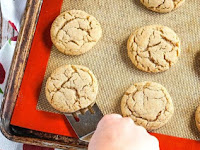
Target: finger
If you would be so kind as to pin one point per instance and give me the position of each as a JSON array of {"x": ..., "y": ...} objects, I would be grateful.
[
  {"x": 110, "y": 117},
  {"x": 128, "y": 120},
  {"x": 117, "y": 116},
  {"x": 107, "y": 119}
]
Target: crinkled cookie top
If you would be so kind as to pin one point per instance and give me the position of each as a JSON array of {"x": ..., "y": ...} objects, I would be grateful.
[
  {"x": 71, "y": 88},
  {"x": 162, "y": 6},
  {"x": 75, "y": 32},
  {"x": 148, "y": 104},
  {"x": 154, "y": 48}
]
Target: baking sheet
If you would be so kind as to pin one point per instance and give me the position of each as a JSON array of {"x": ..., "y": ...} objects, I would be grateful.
[{"x": 109, "y": 61}]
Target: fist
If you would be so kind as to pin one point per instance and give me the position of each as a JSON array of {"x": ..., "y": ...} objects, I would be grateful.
[{"x": 116, "y": 133}]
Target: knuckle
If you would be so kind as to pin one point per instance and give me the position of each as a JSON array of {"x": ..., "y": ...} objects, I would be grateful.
[
  {"x": 128, "y": 120},
  {"x": 110, "y": 117},
  {"x": 141, "y": 128}
]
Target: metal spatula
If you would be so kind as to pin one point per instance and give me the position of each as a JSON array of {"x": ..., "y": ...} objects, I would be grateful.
[{"x": 85, "y": 123}]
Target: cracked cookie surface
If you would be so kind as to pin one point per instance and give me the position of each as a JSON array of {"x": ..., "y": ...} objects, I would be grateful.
[
  {"x": 153, "y": 48},
  {"x": 162, "y": 6},
  {"x": 75, "y": 32},
  {"x": 71, "y": 88},
  {"x": 197, "y": 118},
  {"x": 148, "y": 104}
]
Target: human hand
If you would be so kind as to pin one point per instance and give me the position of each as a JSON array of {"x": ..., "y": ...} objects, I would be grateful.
[{"x": 116, "y": 133}]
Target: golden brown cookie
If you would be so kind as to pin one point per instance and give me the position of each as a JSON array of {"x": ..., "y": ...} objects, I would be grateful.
[
  {"x": 75, "y": 32},
  {"x": 148, "y": 104},
  {"x": 162, "y": 6},
  {"x": 197, "y": 118},
  {"x": 153, "y": 48},
  {"x": 71, "y": 88}
]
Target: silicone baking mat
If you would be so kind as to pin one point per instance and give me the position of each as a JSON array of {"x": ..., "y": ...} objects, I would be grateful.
[
  {"x": 114, "y": 70},
  {"x": 25, "y": 113}
]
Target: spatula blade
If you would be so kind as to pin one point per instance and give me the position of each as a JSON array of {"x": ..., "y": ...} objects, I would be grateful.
[{"x": 87, "y": 123}]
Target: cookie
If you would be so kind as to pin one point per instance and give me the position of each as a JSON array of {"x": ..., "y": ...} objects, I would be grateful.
[
  {"x": 148, "y": 104},
  {"x": 197, "y": 118},
  {"x": 153, "y": 48},
  {"x": 75, "y": 32},
  {"x": 71, "y": 88},
  {"x": 162, "y": 6}
]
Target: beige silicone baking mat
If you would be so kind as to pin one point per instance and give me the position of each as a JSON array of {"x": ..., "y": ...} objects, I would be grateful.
[{"x": 114, "y": 70}]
